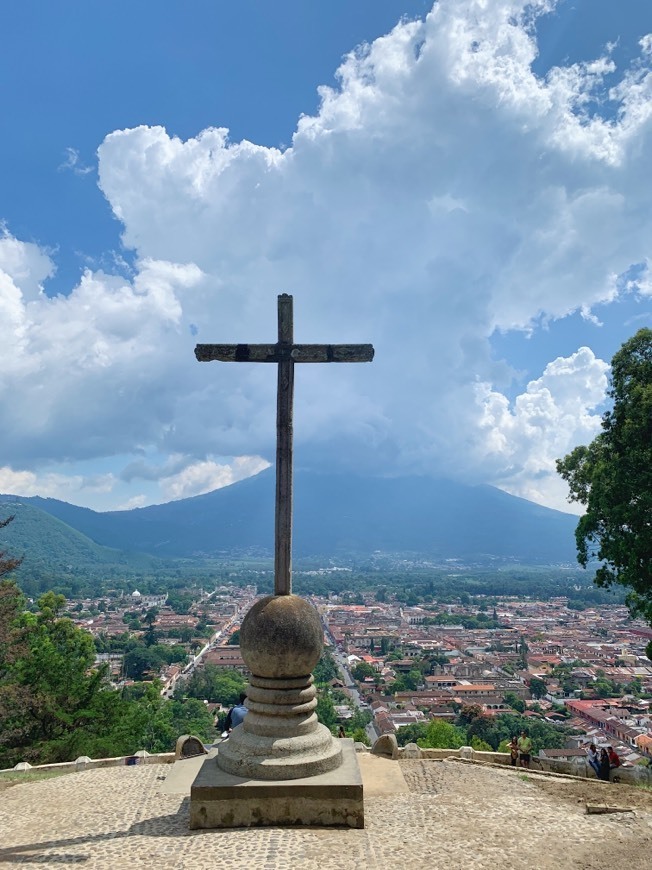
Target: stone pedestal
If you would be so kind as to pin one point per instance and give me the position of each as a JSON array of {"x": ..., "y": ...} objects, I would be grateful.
[
  {"x": 280, "y": 766},
  {"x": 281, "y": 639},
  {"x": 280, "y": 737},
  {"x": 221, "y": 800}
]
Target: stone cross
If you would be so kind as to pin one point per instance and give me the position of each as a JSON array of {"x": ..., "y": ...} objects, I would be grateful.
[{"x": 285, "y": 353}]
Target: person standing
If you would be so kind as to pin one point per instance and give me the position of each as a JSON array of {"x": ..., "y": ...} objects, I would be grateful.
[
  {"x": 524, "y": 749},
  {"x": 594, "y": 761},
  {"x": 513, "y": 751}
]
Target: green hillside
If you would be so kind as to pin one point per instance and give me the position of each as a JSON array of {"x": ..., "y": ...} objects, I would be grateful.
[{"x": 54, "y": 554}]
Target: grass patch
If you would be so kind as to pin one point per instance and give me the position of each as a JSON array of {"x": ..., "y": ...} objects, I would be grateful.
[
  {"x": 524, "y": 777},
  {"x": 14, "y": 777}
]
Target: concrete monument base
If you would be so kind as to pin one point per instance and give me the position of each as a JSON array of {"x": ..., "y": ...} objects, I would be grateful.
[{"x": 221, "y": 800}]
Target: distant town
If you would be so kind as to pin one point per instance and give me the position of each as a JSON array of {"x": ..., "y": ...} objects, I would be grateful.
[{"x": 546, "y": 660}]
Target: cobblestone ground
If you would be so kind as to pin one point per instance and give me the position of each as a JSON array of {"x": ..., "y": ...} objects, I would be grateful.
[{"x": 454, "y": 816}]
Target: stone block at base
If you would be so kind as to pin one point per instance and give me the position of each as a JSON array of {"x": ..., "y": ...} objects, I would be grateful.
[{"x": 221, "y": 800}]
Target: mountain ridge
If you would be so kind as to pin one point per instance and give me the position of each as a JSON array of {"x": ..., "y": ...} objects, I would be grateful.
[{"x": 335, "y": 514}]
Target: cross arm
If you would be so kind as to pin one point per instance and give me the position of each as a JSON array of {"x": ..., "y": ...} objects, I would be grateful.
[{"x": 276, "y": 353}]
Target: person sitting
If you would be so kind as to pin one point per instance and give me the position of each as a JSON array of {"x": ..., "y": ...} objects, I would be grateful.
[
  {"x": 614, "y": 762},
  {"x": 235, "y": 715},
  {"x": 604, "y": 771},
  {"x": 593, "y": 759}
]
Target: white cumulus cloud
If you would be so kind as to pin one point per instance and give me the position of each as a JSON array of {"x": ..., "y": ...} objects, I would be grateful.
[
  {"x": 442, "y": 191},
  {"x": 556, "y": 412},
  {"x": 205, "y": 476}
]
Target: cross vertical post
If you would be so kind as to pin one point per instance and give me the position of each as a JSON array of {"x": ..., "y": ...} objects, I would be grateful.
[
  {"x": 284, "y": 450},
  {"x": 285, "y": 353}
]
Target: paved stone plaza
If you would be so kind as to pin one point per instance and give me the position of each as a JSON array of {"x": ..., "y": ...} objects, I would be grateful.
[{"x": 448, "y": 815}]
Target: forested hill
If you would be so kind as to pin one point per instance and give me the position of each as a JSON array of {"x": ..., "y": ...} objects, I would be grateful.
[
  {"x": 338, "y": 515},
  {"x": 51, "y": 547}
]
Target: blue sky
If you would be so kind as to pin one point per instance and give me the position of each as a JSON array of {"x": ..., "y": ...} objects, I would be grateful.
[
  {"x": 470, "y": 194},
  {"x": 82, "y": 69}
]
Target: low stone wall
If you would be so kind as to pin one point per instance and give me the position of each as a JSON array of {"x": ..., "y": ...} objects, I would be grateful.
[
  {"x": 635, "y": 775},
  {"x": 466, "y": 752},
  {"x": 85, "y": 763}
]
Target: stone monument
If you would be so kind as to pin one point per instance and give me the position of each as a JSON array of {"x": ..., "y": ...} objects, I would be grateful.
[{"x": 315, "y": 776}]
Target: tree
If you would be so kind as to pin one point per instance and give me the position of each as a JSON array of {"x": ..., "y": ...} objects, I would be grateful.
[
  {"x": 443, "y": 735},
  {"x": 363, "y": 670},
  {"x": 412, "y": 733},
  {"x": 538, "y": 687},
  {"x": 326, "y": 669},
  {"x": 523, "y": 650},
  {"x": 141, "y": 662},
  {"x": 612, "y": 477},
  {"x": 514, "y": 702},
  {"x": 51, "y": 681},
  {"x": 7, "y": 563},
  {"x": 217, "y": 685},
  {"x": 149, "y": 619},
  {"x": 326, "y": 710},
  {"x": 413, "y": 679},
  {"x": 361, "y": 736}
]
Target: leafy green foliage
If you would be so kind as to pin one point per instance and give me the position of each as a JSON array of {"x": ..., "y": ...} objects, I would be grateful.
[
  {"x": 443, "y": 735},
  {"x": 411, "y": 733},
  {"x": 612, "y": 477},
  {"x": 486, "y": 732},
  {"x": 363, "y": 670},
  {"x": 326, "y": 710},
  {"x": 361, "y": 736},
  {"x": 480, "y": 620},
  {"x": 217, "y": 685},
  {"x": 55, "y": 706},
  {"x": 54, "y": 549},
  {"x": 514, "y": 702},
  {"x": 7, "y": 563},
  {"x": 326, "y": 668},
  {"x": 538, "y": 687}
]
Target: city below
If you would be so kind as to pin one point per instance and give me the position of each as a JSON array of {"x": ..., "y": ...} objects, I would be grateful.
[{"x": 550, "y": 661}]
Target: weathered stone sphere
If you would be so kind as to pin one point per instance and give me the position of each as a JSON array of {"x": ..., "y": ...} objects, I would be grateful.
[{"x": 281, "y": 637}]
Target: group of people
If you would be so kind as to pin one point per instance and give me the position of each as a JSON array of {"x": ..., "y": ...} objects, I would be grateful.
[
  {"x": 604, "y": 762},
  {"x": 520, "y": 750},
  {"x": 520, "y": 753}
]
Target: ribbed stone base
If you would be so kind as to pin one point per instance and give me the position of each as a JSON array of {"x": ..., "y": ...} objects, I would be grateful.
[
  {"x": 221, "y": 800},
  {"x": 280, "y": 737}
]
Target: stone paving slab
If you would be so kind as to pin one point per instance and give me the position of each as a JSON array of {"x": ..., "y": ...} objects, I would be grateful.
[{"x": 453, "y": 816}]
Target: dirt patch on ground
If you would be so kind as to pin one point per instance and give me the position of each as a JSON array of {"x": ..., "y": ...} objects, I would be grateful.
[
  {"x": 592, "y": 792},
  {"x": 519, "y": 819}
]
